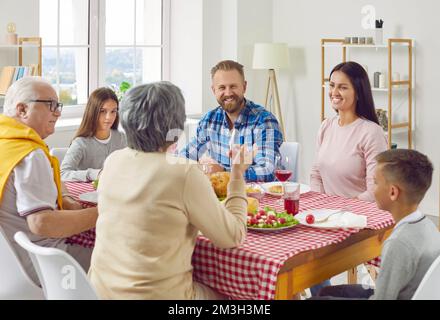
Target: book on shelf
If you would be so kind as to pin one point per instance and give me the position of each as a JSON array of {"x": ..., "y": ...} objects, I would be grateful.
[
  {"x": 10, "y": 74},
  {"x": 6, "y": 78}
]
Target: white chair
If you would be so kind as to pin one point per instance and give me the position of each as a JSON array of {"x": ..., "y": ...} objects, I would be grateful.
[
  {"x": 429, "y": 288},
  {"x": 59, "y": 153},
  {"x": 60, "y": 275},
  {"x": 15, "y": 283},
  {"x": 291, "y": 149}
]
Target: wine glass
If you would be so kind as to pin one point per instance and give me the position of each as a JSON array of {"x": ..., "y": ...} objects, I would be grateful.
[{"x": 282, "y": 171}]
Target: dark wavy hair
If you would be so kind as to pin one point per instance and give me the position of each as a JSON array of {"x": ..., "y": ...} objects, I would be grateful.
[{"x": 361, "y": 84}]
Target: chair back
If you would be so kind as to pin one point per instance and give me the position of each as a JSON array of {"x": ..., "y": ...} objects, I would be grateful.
[
  {"x": 429, "y": 288},
  {"x": 15, "y": 283},
  {"x": 59, "y": 153},
  {"x": 60, "y": 274},
  {"x": 291, "y": 149}
]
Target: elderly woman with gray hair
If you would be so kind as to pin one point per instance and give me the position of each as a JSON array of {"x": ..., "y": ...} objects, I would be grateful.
[{"x": 152, "y": 206}]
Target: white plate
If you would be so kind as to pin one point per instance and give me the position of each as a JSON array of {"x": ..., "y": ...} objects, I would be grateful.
[
  {"x": 333, "y": 222},
  {"x": 272, "y": 229},
  {"x": 303, "y": 188},
  {"x": 91, "y": 197}
]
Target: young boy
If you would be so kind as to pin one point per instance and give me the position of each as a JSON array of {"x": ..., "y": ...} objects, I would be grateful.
[{"x": 402, "y": 178}]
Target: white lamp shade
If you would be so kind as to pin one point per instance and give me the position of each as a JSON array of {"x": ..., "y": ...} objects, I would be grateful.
[{"x": 271, "y": 56}]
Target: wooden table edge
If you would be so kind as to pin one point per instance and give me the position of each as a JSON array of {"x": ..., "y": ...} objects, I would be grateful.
[{"x": 314, "y": 266}]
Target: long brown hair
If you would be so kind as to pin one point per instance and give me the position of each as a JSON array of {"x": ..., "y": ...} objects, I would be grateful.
[
  {"x": 361, "y": 84},
  {"x": 89, "y": 123}
]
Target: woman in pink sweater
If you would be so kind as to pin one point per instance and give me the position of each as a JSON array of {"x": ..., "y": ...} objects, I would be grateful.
[{"x": 348, "y": 142}]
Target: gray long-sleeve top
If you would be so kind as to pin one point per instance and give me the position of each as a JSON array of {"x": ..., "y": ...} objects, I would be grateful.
[
  {"x": 406, "y": 256},
  {"x": 85, "y": 156}
]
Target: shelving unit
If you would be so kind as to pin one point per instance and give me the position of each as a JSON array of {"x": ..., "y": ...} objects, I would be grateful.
[
  {"x": 31, "y": 42},
  {"x": 19, "y": 56},
  {"x": 393, "y": 85}
]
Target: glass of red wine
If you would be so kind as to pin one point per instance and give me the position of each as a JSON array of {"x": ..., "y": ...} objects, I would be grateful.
[{"x": 282, "y": 172}]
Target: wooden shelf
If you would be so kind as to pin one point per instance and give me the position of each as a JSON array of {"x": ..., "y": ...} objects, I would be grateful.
[
  {"x": 334, "y": 45},
  {"x": 15, "y": 46},
  {"x": 372, "y": 46}
]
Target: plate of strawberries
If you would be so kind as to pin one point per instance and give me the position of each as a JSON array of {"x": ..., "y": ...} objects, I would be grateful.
[{"x": 269, "y": 219}]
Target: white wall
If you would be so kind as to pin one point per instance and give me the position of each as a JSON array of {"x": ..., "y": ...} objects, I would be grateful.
[
  {"x": 186, "y": 33},
  {"x": 254, "y": 25},
  {"x": 303, "y": 23},
  {"x": 26, "y": 21},
  {"x": 206, "y": 32}
]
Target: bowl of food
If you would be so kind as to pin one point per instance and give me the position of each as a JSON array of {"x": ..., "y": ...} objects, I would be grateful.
[{"x": 219, "y": 181}]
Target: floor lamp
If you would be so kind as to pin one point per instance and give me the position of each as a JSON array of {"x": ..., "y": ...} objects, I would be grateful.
[{"x": 271, "y": 56}]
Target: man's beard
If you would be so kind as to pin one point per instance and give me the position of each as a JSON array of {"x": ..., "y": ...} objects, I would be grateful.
[{"x": 232, "y": 107}]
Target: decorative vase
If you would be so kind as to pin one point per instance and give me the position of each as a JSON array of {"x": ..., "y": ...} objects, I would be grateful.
[
  {"x": 376, "y": 79},
  {"x": 11, "y": 38},
  {"x": 379, "y": 36},
  {"x": 382, "y": 81},
  {"x": 383, "y": 119}
]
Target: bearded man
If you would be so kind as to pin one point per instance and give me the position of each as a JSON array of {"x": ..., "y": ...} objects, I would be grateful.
[{"x": 235, "y": 121}]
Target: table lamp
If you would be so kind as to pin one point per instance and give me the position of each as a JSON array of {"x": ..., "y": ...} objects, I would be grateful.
[{"x": 272, "y": 56}]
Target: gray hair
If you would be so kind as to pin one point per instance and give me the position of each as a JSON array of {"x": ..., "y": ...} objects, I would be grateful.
[
  {"x": 22, "y": 91},
  {"x": 148, "y": 114}
]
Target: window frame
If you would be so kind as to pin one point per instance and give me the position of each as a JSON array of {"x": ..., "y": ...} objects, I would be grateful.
[
  {"x": 72, "y": 111},
  {"x": 96, "y": 48}
]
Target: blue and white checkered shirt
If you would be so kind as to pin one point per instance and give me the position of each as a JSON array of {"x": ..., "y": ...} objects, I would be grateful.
[{"x": 254, "y": 125}]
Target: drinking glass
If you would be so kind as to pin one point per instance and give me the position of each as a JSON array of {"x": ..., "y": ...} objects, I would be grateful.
[
  {"x": 291, "y": 197},
  {"x": 282, "y": 172}
]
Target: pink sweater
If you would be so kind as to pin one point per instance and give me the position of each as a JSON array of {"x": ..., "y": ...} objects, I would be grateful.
[{"x": 345, "y": 162}]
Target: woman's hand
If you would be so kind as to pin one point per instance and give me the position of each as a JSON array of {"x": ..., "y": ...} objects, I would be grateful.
[
  {"x": 210, "y": 166},
  {"x": 242, "y": 158}
]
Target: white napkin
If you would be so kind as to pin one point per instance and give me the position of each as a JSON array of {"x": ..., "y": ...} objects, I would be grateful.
[
  {"x": 350, "y": 220},
  {"x": 333, "y": 219}
]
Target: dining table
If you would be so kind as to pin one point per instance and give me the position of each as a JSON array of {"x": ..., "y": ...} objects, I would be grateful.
[{"x": 280, "y": 264}]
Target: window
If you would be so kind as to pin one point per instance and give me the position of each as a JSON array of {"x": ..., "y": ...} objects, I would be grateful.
[
  {"x": 65, "y": 34},
  {"x": 93, "y": 43},
  {"x": 133, "y": 41}
]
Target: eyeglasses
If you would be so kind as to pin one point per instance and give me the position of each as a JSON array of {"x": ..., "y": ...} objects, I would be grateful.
[{"x": 53, "y": 106}]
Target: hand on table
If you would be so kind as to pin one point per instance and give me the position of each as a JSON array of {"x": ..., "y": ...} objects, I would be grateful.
[{"x": 70, "y": 204}]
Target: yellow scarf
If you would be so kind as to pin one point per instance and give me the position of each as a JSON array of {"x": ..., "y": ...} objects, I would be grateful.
[{"x": 16, "y": 142}]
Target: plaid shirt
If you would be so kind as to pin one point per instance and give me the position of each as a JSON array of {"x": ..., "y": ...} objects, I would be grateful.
[{"x": 254, "y": 125}]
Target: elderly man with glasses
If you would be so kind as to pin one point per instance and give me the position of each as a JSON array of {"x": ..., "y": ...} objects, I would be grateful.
[{"x": 32, "y": 197}]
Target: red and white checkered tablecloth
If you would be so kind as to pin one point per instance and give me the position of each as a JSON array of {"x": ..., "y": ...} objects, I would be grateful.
[
  {"x": 250, "y": 271},
  {"x": 86, "y": 238}
]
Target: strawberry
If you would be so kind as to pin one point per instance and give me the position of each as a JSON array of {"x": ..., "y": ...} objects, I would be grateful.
[{"x": 281, "y": 220}]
